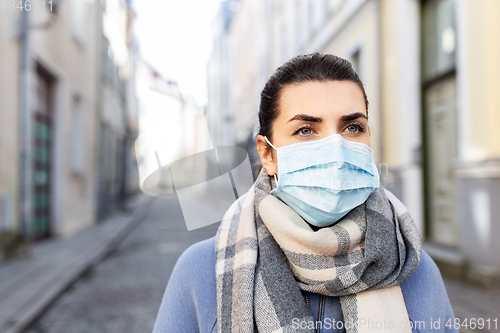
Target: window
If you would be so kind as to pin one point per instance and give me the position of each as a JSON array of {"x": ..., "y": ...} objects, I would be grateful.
[
  {"x": 78, "y": 20},
  {"x": 78, "y": 136},
  {"x": 439, "y": 37},
  {"x": 5, "y": 212},
  {"x": 356, "y": 62}
]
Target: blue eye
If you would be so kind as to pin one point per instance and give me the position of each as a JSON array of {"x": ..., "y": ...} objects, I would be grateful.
[
  {"x": 306, "y": 131},
  {"x": 355, "y": 128},
  {"x": 352, "y": 128}
]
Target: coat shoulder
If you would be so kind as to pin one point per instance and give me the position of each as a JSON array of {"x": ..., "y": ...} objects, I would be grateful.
[
  {"x": 198, "y": 257},
  {"x": 425, "y": 296},
  {"x": 190, "y": 302}
]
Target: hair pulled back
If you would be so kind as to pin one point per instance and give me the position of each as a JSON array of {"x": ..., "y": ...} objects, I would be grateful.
[{"x": 317, "y": 67}]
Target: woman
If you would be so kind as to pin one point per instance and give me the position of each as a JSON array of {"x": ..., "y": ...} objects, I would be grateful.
[{"x": 316, "y": 245}]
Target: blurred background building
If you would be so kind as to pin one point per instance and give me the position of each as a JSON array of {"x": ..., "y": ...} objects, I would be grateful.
[
  {"x": 171, "y": 127},
  {"x": 68, "y": 117},
  {"x": 75, "y": 94},
  {"x": 88, "y": 118},
  {"x": 118, "y": 105},
  {"x": 431, "y": 73}
]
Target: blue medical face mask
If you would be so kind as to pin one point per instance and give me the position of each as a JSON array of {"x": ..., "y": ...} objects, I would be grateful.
[{"x": 325, "y": 179}]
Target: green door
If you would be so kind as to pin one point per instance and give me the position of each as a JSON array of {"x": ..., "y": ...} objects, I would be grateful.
[{"x": 42, "y": 155}]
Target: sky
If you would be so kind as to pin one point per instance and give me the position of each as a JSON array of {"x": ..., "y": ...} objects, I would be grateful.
[{"x": 175, "y": 38}]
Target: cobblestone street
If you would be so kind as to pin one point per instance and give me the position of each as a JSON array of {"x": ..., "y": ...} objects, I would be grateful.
[{"x": 123, "y": 293}]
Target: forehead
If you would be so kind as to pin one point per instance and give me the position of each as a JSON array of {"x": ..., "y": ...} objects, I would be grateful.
[{"x": 333, "y": 98}]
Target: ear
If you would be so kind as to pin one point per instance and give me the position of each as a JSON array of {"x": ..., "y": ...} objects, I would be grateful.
[{"x": 267, "y": 155}]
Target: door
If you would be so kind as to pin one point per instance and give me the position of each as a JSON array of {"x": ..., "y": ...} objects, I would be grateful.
[
  {"x": 442, "y": 152},
  {"x": 42, "y": 156}
]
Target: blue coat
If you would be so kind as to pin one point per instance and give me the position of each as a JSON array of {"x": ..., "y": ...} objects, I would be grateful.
[{"x": 190, "y": 302}]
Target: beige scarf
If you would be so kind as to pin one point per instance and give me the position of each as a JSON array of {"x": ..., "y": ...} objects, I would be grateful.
[{"x": 266, "y": 254}]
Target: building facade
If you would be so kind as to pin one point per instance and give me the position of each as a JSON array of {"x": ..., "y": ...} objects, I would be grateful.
[
  {"x": 117, "y": 107},
  {"x": 171, "y": 127},
  {"x": 50, "y": 112},
  {"x": 431, "y": 78}
]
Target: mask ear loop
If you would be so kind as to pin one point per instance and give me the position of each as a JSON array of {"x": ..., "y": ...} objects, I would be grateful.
[{"x": 267, "y": 140}]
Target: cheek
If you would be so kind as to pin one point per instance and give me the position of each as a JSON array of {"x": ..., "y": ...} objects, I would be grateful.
[
  {"x": 368, "y": 140},
  {"x": 365, "y": 139}
]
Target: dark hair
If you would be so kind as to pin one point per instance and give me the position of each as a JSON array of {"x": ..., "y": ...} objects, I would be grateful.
[{"x": 310, "y": 67}]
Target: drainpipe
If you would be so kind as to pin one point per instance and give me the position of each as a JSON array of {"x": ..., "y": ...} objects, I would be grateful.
[{"x": 25, "y": 128}]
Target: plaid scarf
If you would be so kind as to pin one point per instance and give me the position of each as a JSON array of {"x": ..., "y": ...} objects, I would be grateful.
[{"x": 266, "y": 254}]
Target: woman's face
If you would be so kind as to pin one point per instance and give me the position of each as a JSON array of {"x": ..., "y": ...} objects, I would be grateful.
[{"x": 311, "y": 111}]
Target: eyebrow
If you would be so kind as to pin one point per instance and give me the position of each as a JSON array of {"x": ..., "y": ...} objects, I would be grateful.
[
  {"x": 312, "y": 119},
  {"x": 306, "y": 117},
  {"x": 352, "y": 116}
]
